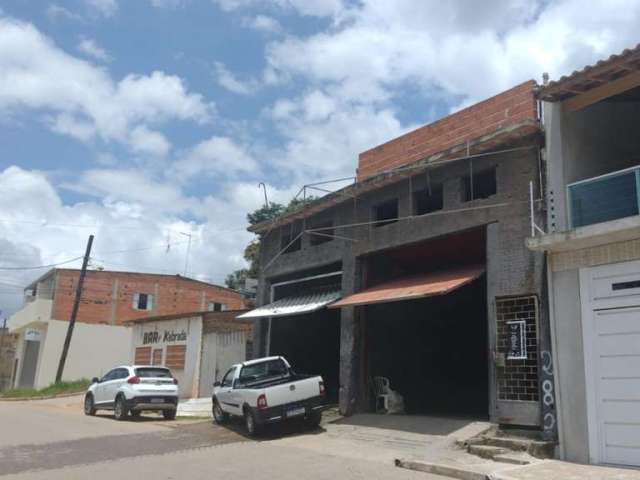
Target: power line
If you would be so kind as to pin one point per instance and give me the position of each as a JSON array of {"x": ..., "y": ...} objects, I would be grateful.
[
  {"x": 44, "y": 223},
  {"x": 41, "y": 266}
]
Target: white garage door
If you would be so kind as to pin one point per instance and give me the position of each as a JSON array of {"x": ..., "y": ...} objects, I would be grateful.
[{"x": 612, "y": 359}]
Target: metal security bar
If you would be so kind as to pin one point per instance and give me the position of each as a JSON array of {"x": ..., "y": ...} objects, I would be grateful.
[{"x": 603, "y": 198}]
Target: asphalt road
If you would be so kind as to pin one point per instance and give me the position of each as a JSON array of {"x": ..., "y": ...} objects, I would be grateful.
[{"x": 54, "y": 440}]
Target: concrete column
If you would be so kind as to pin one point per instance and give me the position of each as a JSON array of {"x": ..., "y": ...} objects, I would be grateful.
[
  {"x": 492, "y": 272},
  {"x": 555, "y": 157},
  {"x": 350, "y": 338},
  {"x": 263, "y": 297}
]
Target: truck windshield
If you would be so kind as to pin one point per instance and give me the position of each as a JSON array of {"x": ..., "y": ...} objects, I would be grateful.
[{"x": 262, "y": 371}]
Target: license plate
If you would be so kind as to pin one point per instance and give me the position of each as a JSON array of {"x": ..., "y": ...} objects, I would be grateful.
[
  {"x": 157, "y": 400},
  {"x": 296, "y": 412}
]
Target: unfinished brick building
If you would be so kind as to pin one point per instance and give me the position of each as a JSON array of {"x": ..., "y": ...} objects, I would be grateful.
[
  {"x": 100, "y": 338},
  {"x": 418, "y": 271}
]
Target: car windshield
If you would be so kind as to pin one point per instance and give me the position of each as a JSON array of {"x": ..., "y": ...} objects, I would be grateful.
[
  {"x": 262, "y": 371},
  {"x": 153, "y": 373}
]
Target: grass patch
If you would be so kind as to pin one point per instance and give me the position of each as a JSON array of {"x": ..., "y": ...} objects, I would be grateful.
[{"x": 76, "y": 386}]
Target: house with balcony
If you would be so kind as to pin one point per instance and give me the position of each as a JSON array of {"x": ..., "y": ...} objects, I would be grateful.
[{"x": 592, "y": 245}]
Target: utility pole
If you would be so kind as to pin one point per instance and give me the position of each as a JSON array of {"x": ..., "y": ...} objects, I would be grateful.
[{"x": 74, "y": 312}]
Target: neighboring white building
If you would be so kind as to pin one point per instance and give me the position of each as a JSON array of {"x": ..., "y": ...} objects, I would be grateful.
[
  {"x": 592, "y": 127},
  {"x": 198, "y": 347},
  {"x": 100, "y": 339},
  {"x": 93, "y": 351}
]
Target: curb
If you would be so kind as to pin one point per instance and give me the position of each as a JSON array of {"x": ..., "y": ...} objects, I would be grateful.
[
  {"x": 45, "y": 397},
  {"x": 441, "y": 469}
]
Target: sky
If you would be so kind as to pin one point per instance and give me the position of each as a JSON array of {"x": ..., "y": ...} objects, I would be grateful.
[{"x": 149, "y": 122}]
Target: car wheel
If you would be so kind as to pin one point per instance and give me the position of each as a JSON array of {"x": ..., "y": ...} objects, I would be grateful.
[
  {"x": 253, "y": 428},
  {"x": 219, "y": 416},
  {"x": 314, "y": 419},
  {"x": 135, "y": 413},
  {"x": 120, "y": 411},
  {"x": 169, "y": 414},
  {"x": 89, "y": 405}
]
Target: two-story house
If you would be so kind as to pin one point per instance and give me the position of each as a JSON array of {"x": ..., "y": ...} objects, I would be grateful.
[
  {"x": 100, "y": 338},
  {"x": 592, "y": 125},
  {"x": 419, "y": 272}
]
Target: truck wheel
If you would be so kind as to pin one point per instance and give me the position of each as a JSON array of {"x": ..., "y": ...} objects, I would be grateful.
[
  {"x": 169, "y": 414},
  {"x": 314, "y": 419},
  {"x": 120, "y": 411},
  {"x": 89, "y": 405},
  {"x": 253, "y": 428},
  {"x": 218, "y": 414}
]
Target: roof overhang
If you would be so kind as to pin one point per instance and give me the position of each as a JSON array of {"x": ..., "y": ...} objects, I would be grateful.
[
  {"x": 596, "y": 82},
  {"x": 511, "y": 135},
  {"x": 297, "y": 305},
  {"x": 415, "y": 287}
]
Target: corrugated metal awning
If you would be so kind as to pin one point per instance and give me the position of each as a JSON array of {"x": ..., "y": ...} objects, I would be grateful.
[
  {"x": 298, "y": 305},
  {"x": 410, "y": 288}
]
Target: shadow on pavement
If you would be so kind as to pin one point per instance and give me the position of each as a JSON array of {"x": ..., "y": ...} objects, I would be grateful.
[
  {"x": 421, "y": 424},
  {"x": 274, "y": 431}
]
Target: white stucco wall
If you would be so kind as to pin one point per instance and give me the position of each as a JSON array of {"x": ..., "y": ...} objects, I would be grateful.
[
  {"x": 93, "y": 351},
  {"x": 188, "y": 378},
  {"x": 220, "y": 351}
]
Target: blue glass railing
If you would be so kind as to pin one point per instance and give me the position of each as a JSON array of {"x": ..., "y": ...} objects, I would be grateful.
[{"x": 607, "y": 197}]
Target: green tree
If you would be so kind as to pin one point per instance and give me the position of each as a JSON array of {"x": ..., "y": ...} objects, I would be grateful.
[{"x": 236, "y": 279}]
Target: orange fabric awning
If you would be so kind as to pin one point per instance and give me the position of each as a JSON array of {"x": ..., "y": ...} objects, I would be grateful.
[{"x": 409, "y": 288}]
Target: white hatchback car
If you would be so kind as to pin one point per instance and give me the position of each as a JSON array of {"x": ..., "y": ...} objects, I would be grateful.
[{"x": 133, "y": 389}]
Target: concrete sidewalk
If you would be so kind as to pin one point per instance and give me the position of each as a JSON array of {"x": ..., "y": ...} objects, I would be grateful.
[
  {"x": 557, "y": 470},
  {"x": 195, "y": 407},
  {"x": 542, "y": 469}
]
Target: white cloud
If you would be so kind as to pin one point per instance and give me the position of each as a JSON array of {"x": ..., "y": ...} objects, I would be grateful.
[
  {"x": 229, "y": 81},
  {"x": 84, "y": 101},
  {"x": 131, "y": 212},
  {"x": 136, "y": 187},
  {"x": 55, "y": 12},
  {"x": 106, "y": 8},
  {"x": 316, "y": 8},
  {"x": 324, "y": 136},
  {"x": 148, "y": 141},
  {"x": 473, "y": 52},
  {"x": 166, "y": 3},
  {"x": 89, "y": 47},
  {"x": 262, "y": 23},
  {"x": 218, "y": 156}
]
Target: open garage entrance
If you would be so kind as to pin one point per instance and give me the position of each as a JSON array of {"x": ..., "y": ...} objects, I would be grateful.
[
  {"x": 311, "y": 343},
  {"x": 301, "y": 328},
  {"x": 437, "y": 358},
  {"x": 425, "y": 325}
]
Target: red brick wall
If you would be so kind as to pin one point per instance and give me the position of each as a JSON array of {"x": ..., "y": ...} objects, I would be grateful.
[
  {"x": 508, "y": 108},
  {"x": 171, "y": 294}
]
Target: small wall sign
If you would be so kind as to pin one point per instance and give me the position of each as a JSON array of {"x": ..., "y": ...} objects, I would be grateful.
[
  {"x": 32, "y": 335},
  {"x": 169, "y": 336},
  {"x": 517, "y": 340}
]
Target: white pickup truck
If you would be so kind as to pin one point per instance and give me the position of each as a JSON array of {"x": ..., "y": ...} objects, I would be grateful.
[{"x": 267, "y": 390}]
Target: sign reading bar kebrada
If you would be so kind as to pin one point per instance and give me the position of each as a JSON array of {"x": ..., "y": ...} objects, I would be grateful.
[{"x": 166, "y": 336}]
